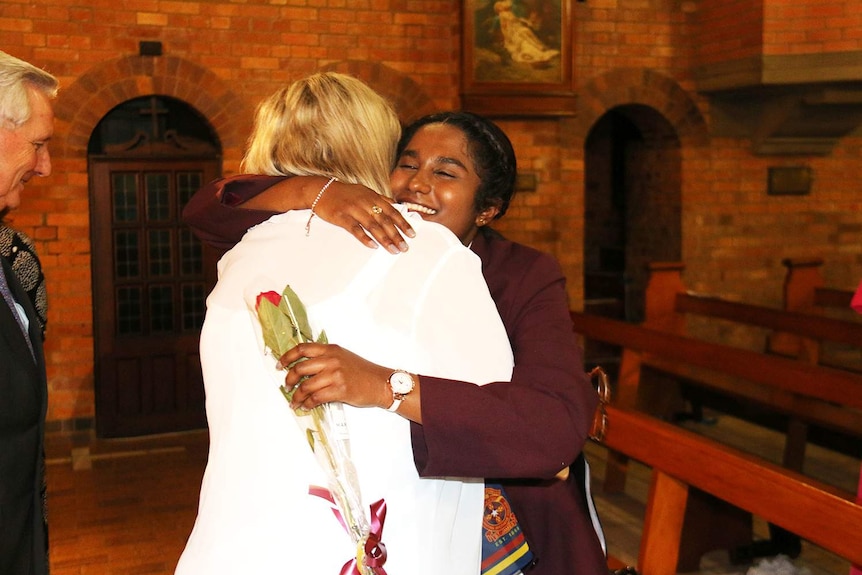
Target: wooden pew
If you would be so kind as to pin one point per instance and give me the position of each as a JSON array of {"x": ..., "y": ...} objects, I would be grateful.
[
  {"x": 804, "y": 292},
  {"x": 787, "y": 384},
  {"x": 797, "y": 332},
  {"x": 683, "y": 462},
  {"x": 813, "y": 394},
  {"x": 668, "y": 301},
  {"x": 816, "y": 394}
]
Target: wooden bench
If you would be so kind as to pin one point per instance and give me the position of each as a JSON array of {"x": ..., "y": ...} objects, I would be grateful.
[
  {"x": 684, "y": 463},
  {"x": 796, "y": 332},
  {"x": 804, "y": 292},
  {"x": 813, "y": 394},
  {"x": 668, "y": 303}
]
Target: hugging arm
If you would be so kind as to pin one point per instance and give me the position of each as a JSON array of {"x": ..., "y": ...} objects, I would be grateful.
[
  {"x": 213, "y": 215},
  {"x": 221, "y": 211}
]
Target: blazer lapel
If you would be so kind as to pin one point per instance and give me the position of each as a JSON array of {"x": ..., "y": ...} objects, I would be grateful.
[{"x": 9, "y": 326}]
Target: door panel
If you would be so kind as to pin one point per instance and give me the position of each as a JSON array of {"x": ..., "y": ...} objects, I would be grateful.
[{"x": 150, "y": 281}]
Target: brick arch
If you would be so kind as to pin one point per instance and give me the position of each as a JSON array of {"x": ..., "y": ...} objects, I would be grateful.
[
  {"x": 83, "y": 104},
  {"x": 627, "y": 86},
  {"x": 407, "y": 97}
]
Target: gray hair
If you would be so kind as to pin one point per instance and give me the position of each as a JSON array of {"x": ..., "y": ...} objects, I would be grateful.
[{"x": 15, "y": 77}]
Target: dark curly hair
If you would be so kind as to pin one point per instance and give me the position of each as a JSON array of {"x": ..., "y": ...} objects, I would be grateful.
[{"x": 490, "y": 149}]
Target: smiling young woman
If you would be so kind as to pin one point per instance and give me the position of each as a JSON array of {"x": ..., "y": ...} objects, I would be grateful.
[{"x": 436, "y": 176}]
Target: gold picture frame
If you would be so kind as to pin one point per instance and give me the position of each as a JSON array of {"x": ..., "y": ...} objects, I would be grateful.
[{"x": 517, "y": 57}]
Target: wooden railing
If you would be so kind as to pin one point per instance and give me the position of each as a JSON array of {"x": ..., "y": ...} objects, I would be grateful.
[
  {"x": 787, "y": 377},
  {"x": 807, "y": 393},
  {"x": 683, "y": 462},
  {"x": 799, "y": 331}
]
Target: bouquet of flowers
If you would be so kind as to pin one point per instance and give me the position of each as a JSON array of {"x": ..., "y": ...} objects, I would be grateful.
[{"x": 284, "y": 321}]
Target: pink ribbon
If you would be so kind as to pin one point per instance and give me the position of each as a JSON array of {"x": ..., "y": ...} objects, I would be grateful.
[{"x": 375, "y": 550}]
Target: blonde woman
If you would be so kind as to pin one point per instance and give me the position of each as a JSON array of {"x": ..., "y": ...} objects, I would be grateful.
[{"x": 427, "y": 310}]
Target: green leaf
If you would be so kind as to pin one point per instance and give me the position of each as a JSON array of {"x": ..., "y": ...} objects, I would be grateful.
[
  {"x": 293, "y": 307},
  {"x": 279, "y": 334}
]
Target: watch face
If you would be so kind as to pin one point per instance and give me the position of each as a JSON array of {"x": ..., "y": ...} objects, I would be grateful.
[{"x": 401, "y": 382}]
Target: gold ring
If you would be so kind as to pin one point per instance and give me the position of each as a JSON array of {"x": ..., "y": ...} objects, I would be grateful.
[{"x": 376, "y": 210}]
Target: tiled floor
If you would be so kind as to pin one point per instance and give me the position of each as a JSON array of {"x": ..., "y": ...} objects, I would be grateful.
[
  {"x": 125, "y": 507},
  {"x": 122, "y": 507}
]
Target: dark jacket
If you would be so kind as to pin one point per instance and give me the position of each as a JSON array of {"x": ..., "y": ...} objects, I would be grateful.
[{"x": 23, "y": 387}]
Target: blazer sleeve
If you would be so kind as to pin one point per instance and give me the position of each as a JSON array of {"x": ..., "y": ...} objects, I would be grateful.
[
  {"x": 532, "y": 426},
  {"x": 213, "y": 212}
]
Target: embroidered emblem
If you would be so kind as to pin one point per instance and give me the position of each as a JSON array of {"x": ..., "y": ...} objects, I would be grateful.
[
  {"x": 497, "y": 518},
  {"x": 504, "y": 549}
]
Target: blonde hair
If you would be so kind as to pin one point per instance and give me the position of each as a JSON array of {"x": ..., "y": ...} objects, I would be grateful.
[
  {"x": 327, "y": 124},
  {"x": 15, "y": 77}
]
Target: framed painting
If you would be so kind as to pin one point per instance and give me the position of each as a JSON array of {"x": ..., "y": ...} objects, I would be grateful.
[{"x": 517, "y": 57}]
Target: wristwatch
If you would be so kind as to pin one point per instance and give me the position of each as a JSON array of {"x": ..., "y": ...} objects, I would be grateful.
[{"x": 401, "y": 384}]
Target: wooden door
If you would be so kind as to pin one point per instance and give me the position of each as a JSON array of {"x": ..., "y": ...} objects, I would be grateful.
[{"x": 151, "y": 277}]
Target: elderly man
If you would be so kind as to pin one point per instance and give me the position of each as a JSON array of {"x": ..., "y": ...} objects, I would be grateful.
[{"x": 26, "y": 126}]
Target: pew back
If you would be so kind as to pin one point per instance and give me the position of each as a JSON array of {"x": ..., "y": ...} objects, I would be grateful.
[{"x": 804, "y": 293}]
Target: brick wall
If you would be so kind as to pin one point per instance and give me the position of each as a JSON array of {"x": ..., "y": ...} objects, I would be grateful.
[
  {"x": 805, "y": 27},
  {"x": 223, "y": 56},
  {"x": 729, "y": 30},
  {"x": 734, "y": 235},
  {"x": 737, "y": 29}
]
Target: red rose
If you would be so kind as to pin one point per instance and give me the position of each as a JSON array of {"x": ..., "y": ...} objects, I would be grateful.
[{"x": 273, "y": 297}]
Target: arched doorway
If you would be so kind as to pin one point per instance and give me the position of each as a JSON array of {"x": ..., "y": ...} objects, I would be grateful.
[
  {"x": 146, "y": 158},
  {"x": 632, "y": 208}
]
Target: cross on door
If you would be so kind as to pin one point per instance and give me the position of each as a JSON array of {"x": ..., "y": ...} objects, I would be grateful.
[{"x": 154, "y": 112}]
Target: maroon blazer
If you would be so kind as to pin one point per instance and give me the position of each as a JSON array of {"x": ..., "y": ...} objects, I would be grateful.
[
  {"x": 524, "y": 431},
  {"x": 520, "y": 433}
]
